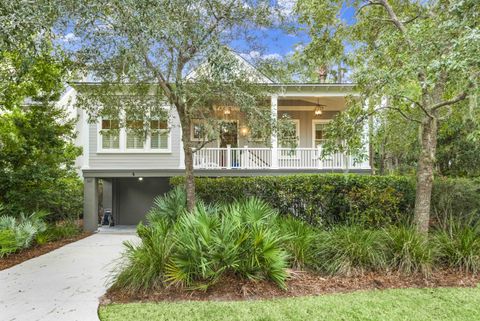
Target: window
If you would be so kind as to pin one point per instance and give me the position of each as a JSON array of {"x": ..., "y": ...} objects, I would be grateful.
[
  {"x": 135, "y": 134},
  {"x": 110, "y": 134},
  {"x": 159, "y": 134},
  {"x": 319, "y": 132}
]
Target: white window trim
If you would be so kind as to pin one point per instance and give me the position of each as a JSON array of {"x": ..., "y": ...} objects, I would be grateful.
[
  {"x": 315, "y": 122},
  {"x": 123, "y": 143}
]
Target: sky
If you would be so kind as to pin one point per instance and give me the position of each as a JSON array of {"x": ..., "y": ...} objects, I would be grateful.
[{"x": 278, "y": 43}]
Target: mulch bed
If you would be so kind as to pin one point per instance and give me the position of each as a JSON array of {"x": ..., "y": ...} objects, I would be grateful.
[
  {"x": 30, "y": 253},
  {"x": 301, "y": 283}
]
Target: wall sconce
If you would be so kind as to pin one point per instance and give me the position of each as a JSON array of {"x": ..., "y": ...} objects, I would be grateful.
[{"x": 244, "y": 131}]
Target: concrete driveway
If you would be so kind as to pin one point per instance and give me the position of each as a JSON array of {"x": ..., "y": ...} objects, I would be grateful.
[{"x": 64, "y": 284}]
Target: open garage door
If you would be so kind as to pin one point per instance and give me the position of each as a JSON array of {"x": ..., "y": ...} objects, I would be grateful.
[{"x": 133, "y": 197}]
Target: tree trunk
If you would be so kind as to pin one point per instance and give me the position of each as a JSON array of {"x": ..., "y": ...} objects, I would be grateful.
[
  {"x": 426, "y": 161},
  {"x": 189, "y": 175}
]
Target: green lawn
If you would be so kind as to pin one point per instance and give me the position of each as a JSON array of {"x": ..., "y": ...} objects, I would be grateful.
[{"x": 407, "y": 304}]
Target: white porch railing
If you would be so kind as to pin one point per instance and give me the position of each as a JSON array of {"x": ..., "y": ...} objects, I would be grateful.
[{"x": 261, "y": 158}]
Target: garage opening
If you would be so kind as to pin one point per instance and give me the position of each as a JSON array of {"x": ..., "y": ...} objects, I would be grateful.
[{"x": 130, "y": 199}]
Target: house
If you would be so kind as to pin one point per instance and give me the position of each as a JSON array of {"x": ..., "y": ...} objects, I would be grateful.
[{"x": 133, "y": 170}]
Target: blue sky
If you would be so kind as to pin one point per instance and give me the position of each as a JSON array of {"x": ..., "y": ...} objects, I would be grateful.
[{"x": 277, "y": 43}]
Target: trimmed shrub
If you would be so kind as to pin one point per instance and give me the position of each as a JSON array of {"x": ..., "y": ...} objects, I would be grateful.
[
  {"x": 332, "y": 199},
  {"x": 327, "y": 199},
  {"x": 407, "y": 251},
  {"x": 350, "y": 250}
]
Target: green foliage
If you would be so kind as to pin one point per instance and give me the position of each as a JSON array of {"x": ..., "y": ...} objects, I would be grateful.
[
  {"x": 327, "y": 199},
  {"x": 350, "y": 250},
  {"x": 143, "y": 265},
  {"x": 407, "y": 250},
  {"x": 37, "y": 162},
  {"x": 58, "y": 231},
  {"x": 458, "y": 198},
  {"x": 20, "y": 233},
  {"x": 199, "y": 247},
  {"x": 459, "y": 246},
  {"x": 168, "y": 207},
  {"x": 300, "y": 240},
  {"x": 240, "y": 238}
]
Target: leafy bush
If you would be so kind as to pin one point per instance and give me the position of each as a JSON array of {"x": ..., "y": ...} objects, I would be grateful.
[
  {"x": 240, "y": 238},
  {"x": 168, "y": 207},
  {"x": 348, "y": 250},
  {"x": 144, "y": 264},
  {"x": 320, "y": 199},
  {"x": 58, "y": 231},
  {"x": 459, "y": 246},
  {"x": 20, "y": 233},
  {"x": 407, "y": 250},
  {"x": 457, "y": 198},
  {"x": 197, "y": 248}
]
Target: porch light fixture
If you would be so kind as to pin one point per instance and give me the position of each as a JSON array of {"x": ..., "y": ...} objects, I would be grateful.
[
  {"x": 140, "y": 179},
  {"x": 319, "y": 108},
  {"x": 227, "y": 111}
]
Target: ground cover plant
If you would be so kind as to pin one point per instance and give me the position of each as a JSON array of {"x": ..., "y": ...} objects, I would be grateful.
[
  {"x": 249, "y": 240},
  {"x": 26, "y": 231}
]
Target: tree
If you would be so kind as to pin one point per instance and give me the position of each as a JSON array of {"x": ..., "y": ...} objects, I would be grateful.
[
  {"x": 37, "y": 152},
  {"x": 422, "y": 56},
  {"x": 160, "y": 52}
]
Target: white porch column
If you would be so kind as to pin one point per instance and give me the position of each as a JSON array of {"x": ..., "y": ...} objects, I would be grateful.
[{"x": 274, "y": 141}]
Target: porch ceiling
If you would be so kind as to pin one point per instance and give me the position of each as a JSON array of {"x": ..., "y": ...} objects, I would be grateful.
[{"x": 309, "y": 103}]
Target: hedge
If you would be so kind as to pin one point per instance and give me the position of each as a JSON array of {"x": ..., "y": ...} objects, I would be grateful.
[
  {"x": 318, "y": 198},
  {"x": 338, "y": 198}
]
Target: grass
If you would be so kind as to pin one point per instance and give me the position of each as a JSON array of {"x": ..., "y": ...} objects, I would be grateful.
[{"x": 398, "y": 304}]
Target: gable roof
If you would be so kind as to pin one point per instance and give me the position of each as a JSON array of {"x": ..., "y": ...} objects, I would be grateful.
[{"x": 256, "y": 75}]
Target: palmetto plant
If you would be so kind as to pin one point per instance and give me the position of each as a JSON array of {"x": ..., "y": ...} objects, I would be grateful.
[
  {"x": 168, "y": 207},
  {"x": 19, "y": 233}
]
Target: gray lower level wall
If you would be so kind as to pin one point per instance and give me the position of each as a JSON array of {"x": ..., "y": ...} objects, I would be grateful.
[{"x": 133, "y": 198}]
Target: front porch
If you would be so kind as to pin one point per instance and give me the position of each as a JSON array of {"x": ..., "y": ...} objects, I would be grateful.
[{"x": 309, "y": 108}]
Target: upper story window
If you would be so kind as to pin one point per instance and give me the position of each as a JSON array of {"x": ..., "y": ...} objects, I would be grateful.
[
  {"x": 135, "y": 134},
  {"x": 110, "y": 133},
  {"x": 134, "y": 137},
  {"x": 159, "y": 134}
]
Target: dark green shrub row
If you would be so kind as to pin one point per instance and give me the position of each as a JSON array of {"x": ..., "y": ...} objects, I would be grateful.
[
  {"x": 319, "y": 199},
  {"x": 337, "y": 198}
]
